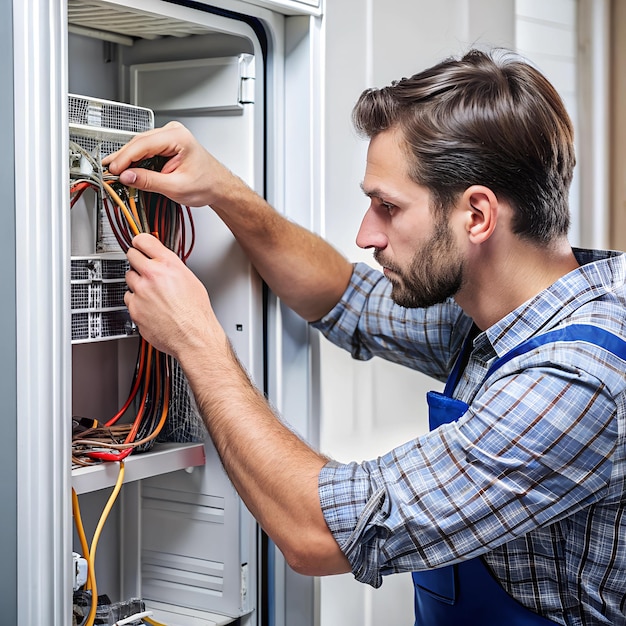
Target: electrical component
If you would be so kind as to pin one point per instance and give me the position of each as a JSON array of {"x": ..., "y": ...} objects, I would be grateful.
[
  {"x": 126, "y": 613},
  {"x": 79, "y": 570}
]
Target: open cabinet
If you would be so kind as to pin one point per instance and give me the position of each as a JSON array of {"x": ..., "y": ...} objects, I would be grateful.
[
  {"x": 184, "y": 543},
  {"x": 178, "y": 537}
]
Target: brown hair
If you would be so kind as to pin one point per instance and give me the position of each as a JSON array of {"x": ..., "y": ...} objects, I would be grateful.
[{"x": 487, "y": 119}]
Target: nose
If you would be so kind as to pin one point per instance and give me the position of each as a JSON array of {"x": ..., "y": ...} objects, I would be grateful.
[{"x": 371, "y": 233}]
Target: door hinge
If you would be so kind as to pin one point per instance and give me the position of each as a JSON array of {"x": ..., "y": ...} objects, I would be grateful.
[{"x": 246, "y": 79}]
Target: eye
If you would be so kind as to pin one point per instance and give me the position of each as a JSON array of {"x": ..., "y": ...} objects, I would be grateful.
[{"x": 387, "y": 206}]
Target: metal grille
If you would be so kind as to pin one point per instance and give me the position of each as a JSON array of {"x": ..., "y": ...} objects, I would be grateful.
[
  {"x": 98, "y": 295},
  {"x": 98, "y": 286},
  {"x": 132, "y": 23},
  {"x": 90, "y": 326},
  {"x": 114, "y": 268},
  {"x": 99, "y": 147},
  {"x": 115, "y": 324},
  {"x": 80, "y": 327},
  {"x": 98, "y": 268},
  {"x": 97, "y": 113}
]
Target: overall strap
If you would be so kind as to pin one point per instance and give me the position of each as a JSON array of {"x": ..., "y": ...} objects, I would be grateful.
[
  {"x": 460, "y": 362},
  {"x": 576, "y": 332}
]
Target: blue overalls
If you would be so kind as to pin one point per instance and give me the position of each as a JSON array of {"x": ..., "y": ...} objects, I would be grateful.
[{"x": 467, "y": 594}]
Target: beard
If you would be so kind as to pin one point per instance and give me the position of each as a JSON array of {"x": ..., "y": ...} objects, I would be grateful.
[{"x": 434, "y": 274}]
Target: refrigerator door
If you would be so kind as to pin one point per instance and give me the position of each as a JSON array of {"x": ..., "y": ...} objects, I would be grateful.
[{"x": 197, "y": 541}]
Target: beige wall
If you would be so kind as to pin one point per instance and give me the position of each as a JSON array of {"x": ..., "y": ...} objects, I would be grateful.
[{"x": 618, "y": 124}]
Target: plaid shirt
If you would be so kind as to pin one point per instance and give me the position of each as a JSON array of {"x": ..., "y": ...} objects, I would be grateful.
[{"x": 532, "y": 477}]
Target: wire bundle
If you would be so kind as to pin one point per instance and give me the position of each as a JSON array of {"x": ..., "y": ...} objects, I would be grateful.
[
  {"x": 150, "y": 392},
  {"x": 129, "y": 212}
]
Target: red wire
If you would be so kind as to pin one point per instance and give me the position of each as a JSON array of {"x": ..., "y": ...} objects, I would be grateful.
[
  {"x": 193, "y": 235},
  {"x": 135, "y": 388},
  {"x": 133, "y": 431},
  {"x": 80, "y": 186},
  {"x": 110, "y": 456},
  {"x": 119, "y": 456},
  {"x": 78, "y": 190}
]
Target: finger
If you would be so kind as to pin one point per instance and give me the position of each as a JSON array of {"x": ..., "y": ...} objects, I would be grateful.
[
  {"x": 149, "y": 246},
  {"x": 146, "y": 180},
  {"x": 139, "y": 260},
  {"x": 113, "y": 155},
  {"x": 159, "y": 141},
  {"x": 129, "y": 302},
  {"x": 131, "y": 280},
  {"x": 135, "y": 150}
]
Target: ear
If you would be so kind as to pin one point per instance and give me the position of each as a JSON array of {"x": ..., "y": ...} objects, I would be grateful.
[{"x": 481, "y": 207}]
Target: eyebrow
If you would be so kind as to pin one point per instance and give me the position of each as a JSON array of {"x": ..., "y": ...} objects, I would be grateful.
[
  {"x": 373, "y": 193},
  {"x": 377, "y": 192}
]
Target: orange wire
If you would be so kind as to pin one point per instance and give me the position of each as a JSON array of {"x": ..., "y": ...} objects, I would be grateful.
[
  {"x": 133, "y": 206},
  {"x": 79, "y": 186},
  {"x": 135, "y": 388},
  {"x": 118, "y": 201},
  {"x": 164, "y": 409},
  {"x": 133, "y": 432},
  {"x": 166, "y": 402}
]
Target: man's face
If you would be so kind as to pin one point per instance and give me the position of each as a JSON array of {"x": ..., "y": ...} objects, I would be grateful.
[{"x": 418, "y": 252}]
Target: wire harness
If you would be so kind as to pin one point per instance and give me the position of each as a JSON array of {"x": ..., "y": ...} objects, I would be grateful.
[
  {"x": 157, "y": 376},
  {"x": 129, "y": 213}
]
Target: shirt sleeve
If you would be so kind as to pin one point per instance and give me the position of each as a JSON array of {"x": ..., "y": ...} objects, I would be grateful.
[
  {"x": 534, "y": 447},
  {"x": 367, "y": 323}
]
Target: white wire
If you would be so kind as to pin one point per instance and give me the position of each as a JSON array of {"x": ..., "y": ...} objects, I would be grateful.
[{"x": 133, "y": 618}]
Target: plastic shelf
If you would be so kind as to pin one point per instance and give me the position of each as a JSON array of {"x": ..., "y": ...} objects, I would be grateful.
[
  {"x": 170, "y": 614},
  {"x": 164, "y": 458}
]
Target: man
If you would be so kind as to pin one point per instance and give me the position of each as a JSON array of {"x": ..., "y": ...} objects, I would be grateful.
[{"x": 510, "y": 511}]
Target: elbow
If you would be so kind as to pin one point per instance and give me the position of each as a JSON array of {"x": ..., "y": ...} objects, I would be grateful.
[
  {"x": 304, "y": 563},
  {"x": 315, "y": 557}
]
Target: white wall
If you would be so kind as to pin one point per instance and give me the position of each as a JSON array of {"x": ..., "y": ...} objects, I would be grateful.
[
  {"x": 371, "y": 407},
  {"x": 546, "y": 33}
]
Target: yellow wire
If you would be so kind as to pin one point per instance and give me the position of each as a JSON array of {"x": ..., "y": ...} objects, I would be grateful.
[
  {"x": 129, "y": 218},
  {"x": 151, "y": 621},
  {"x": 133, "y": 206},
  {"x": 81, "y": 533},
  {"x": 94, "y": 544}
]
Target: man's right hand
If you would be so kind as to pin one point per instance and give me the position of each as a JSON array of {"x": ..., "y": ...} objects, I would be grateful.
[{"x": 191, "y": 176}]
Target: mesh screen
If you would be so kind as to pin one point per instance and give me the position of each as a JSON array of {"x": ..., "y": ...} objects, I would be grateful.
[
  {"x": 106, "y": 114},
  {"x": 184, "y": 423}
]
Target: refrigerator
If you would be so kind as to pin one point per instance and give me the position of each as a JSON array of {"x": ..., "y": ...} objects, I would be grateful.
[{"x": 242, "y": 76}]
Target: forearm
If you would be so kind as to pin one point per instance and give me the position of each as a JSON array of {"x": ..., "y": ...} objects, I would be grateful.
[
  {"x": 274, "y": 472},
  {"x": 302, "y": 269}
]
